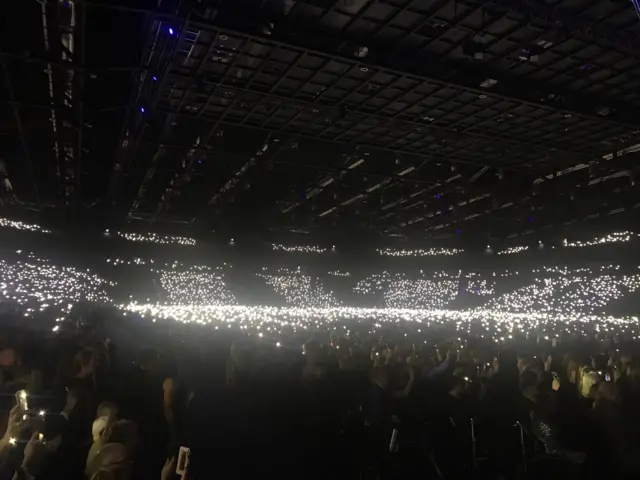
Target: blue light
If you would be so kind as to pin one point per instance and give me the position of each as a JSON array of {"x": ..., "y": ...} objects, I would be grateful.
[
  {"x": 170, "y": 31},
  {"x": 155, "y": 79},
  {"x": 200, "y": 161},
  {"x": 531, "y": 219},
  {"x": 437, "y": 196},
  {"x": 142, "y": 109},
  {"x": 459, "y": 232}
]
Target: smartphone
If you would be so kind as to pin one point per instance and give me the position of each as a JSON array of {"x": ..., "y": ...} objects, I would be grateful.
[
  {"x": 183, "y": 460},
  {"x": 607, "y": 377},
  {"x": 555, "y": 375},
  {"x": 21, "y": 400}
]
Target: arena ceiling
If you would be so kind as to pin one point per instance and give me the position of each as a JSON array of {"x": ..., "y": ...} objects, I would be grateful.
[{"x": 392, "y": 118}]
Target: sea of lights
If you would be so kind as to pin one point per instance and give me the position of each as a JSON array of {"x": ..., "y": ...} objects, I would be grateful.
[
  {"x": 301, "y": 290},
  {"x": 37, "y": 284},
  {"x": 154, "y": 238},
  {"x": 512, "y": 250},
  {"x": 610, "y": 238},
  {"x": 5, "y": 222},
  {"x": 435, "y": 290},
  {"x": 298, "y": 248},
  {"x": 419, "y": 252},
  {"x": 132, "y": 261},
  {"x": 196, "y": 286},
  {"x": 551, "y": 301},
  {"x": 500, "y": 327},
  {"x": 338, "y": 273}
]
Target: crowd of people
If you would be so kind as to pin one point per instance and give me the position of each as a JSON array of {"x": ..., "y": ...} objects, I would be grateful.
[{"x": 115, "y": 398}]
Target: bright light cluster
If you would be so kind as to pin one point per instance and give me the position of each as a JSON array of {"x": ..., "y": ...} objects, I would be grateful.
[
  {"x": 153, "y": 238},
  {"x": 611, "y": 238},
  {"x": 434, "y": 290},
  {"x": 5, "y": 222},
  {"x": 556, "y": 301},
  {"x": 338, "y": 273},
  {"x": 195, "y": 287},
  {"x": 37, "y": 284},
  {"x": 419, "y": 252},
  {"x": 565, "y": 291},
  {"x": 420, "y": 294},
  {"x": 298, "y": 248},
  {"x": 482, "y": 288},
  {"x": 275, "y": 325},
  {"x": 133, "y": 261},
  {"x": 512, "y": 250},
  {"x": 301, "y": 290}
]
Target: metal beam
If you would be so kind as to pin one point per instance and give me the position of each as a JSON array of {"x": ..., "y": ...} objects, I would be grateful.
[
  {"x": 428, "y": 67},
  {"x": 23, "y": 139},
  {"x": 79, "y": 94},
  {"x": 261, "y": 96}
]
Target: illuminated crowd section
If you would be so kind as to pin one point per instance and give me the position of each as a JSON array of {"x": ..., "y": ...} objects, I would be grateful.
[
  {"x": 430, "y": 252},
  {"x": 499, "y": 304},
  {"x": 36, "y": 284},
  {"x": 302, "y": 290},
  {"x": 195, "y": 286},
  {"x": 512, "y": 250},
  {"x": 154, "y": 238},
  {"x": 500, "y": 327},
  {"x": 616, "y": 237},
  {"x": 6, "y": 223},
  {"x": 298, "y": 248}
]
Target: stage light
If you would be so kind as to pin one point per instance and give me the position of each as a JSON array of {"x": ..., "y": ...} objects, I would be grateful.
[
  {"x": 142, "y": 109},
  {"x": 155, "y": 79},
  {"x": 170, "y": 31}
]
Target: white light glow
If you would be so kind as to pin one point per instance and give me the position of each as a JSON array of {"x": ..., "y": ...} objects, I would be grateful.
[
  {"x": 610, "y": 238},
  {"x": 512, "y": 250},
  {"x": 160, "y": 239},
  {"x": 5, "y": 222},
  {"x": 298, "y": 248},
  {"x": 419, "y": 252}
]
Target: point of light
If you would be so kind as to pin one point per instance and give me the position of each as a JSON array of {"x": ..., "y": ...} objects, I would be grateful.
[
  {"x": 142, "y": 109},
  {"x": 170, "y": 31},
  {"x": 155, "y": 79}
]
